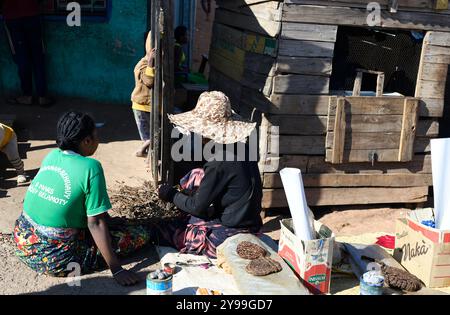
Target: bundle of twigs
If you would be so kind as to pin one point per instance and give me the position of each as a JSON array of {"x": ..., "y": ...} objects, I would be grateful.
[{"x": 141, "y": 203}]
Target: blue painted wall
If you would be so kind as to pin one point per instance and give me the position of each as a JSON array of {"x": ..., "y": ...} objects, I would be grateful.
[{"x": 94, "y": 61}]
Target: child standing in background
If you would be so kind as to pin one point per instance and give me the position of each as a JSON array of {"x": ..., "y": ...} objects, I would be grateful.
[
  {"x": 180, "y": 59},
  {"x": 144, "y": 73},
  {"x": 8, "y": 145}
]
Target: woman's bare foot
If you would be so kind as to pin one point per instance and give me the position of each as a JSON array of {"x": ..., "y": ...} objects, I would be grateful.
[{"x": 22, "y": 179}]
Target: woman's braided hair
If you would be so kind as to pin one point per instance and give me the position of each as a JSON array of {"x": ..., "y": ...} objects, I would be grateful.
[{"x": 72, "y": 128}]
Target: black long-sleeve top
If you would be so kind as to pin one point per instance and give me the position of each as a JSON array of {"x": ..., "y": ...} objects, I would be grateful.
[{"x": 231, "y": 191}]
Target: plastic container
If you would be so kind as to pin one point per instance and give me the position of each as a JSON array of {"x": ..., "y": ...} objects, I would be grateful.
[
  {"x": 159, "y": 287},
  {"x": 370, "y": 289}
]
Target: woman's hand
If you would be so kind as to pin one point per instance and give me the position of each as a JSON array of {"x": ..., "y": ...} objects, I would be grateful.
[
  {"x": 126, "y": 277},
  {"x": 98, "y": 226},
  {"x": 166, "y": 192},
  {"x": 151, "y": 56}
]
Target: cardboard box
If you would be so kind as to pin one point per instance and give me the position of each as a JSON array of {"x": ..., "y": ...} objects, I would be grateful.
[
  {"x": 422, "y": 250},
  {"x": 310, "y": 260}
]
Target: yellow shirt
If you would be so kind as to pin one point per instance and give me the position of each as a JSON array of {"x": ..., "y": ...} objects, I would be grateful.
[
  {"x": 6, "y": 133},
  {"x": 144, "y": 78}
]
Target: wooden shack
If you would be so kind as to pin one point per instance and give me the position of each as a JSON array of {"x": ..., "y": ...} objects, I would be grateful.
[{"x": 353, "y": 105}]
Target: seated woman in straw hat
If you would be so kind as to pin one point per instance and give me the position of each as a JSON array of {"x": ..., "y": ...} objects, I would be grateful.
[{"x": 228, "y": 198}]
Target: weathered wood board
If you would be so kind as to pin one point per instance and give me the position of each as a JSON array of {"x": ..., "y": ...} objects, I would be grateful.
[
  {"x": 318, "y": 105},
  {"x": 390, "y": 123},
  {"x": 305, "y": 48},
  {"x": 247, "y": 41},
  {"x": 232, "y": 88},
  {"x": 245, "y": 60},
  {"x": 433, "y": 70},
  {"x": 437, "y": 39},
  {"x": 308, "y": 145},
  {"x": 421, "y": 145},
  {"x": 368, "y": 141},
  {"x": 299, "y": 125},
  {"x": 421, "y": 164},
  {"x": 313, "y": 32},
  {"x": 403, "y": 5},
  {"x": 300, "y": 84},
  {"x": 299, "y": 104},
  {"x": 276, "y": 198},
  {"x": 362, "y": 105},
  {"x": 408, "y": 130},
  {"x": 273, "y": 180},
  {"x": 304, "y": 65},
  {"x": 247, "y": 78},
  {"x": 243, "y": 3},
  {"x": 258, "y": 25},
  {"x": 338, "y": 136},
  {"x": 378, "y": 141},
  {"x": 268, "y": 10},
  {"x": 359, "y": 17}
]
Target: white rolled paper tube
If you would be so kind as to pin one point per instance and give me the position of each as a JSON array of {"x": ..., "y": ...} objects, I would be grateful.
[
  {"x": 295, "y": 195},
  {"x": 440, "y": 156}
]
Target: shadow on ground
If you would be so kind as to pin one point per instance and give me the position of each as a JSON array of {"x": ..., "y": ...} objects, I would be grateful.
[
  {"x": 37, "y": 123},
  {"x": 102, "y": 283}
]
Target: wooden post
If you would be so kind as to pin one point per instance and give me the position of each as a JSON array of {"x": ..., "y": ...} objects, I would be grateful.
[
  {"x": 380, "y": 84},
  {"x": 408, "y": 132},
  {"x": 157, "y": 96},
  {"x": 152, "y": 96},
  {"x": 339, "y": 133},
  {"x": 358, "y": 83},
  {"x": 168, "y": 93}
]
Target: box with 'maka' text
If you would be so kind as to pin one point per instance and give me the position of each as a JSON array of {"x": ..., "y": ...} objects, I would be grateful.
[{"x": 424, "y": 251}]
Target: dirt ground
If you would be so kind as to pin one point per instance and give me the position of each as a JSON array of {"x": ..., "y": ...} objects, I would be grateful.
[{"x": 119, "y": 139}]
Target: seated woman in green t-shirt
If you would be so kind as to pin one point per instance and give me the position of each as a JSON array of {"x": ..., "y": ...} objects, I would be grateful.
[{"x": 65, "y": 226}]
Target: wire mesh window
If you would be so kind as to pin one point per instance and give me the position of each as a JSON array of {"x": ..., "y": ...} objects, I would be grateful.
[{"x": 394, "y": 52}]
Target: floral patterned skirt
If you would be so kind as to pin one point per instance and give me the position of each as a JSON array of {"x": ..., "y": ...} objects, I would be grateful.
[
  {"x": 52, "y": 250},
  {"x": 196, "y": 236}
]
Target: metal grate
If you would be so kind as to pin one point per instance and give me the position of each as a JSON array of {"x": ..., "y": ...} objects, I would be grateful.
[{"x": 396, "y": 53}]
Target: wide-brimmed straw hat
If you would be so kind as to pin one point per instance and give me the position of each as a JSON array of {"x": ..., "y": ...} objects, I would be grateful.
[{"x": 214, "y": 119}]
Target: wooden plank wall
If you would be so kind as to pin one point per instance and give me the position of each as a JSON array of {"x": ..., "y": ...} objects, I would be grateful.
[
  {"x": 291, "y": 46},
  {"x": 262, "y": 17},
  {"x": 244, "y": 46}
]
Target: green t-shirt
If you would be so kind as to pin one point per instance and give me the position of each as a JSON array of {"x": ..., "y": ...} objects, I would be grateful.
[{"x": 67, "y": 189}]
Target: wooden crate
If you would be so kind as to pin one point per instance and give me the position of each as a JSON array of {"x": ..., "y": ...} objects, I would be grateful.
[{"x": 361, "y": 129}]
